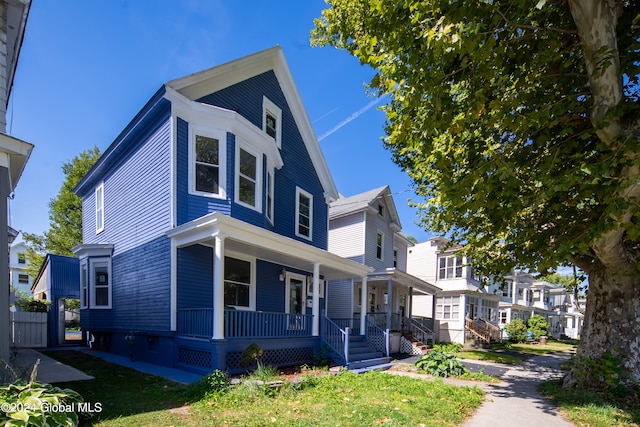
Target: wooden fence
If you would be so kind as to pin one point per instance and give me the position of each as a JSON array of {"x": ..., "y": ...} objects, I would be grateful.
[{"x": 28, "y": 330}]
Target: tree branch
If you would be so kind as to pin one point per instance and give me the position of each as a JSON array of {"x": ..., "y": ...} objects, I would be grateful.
[{"x": 532, "y": 27}]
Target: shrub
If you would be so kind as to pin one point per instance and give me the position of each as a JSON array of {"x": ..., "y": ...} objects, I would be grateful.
[
  {"x": 448, "y": 347},
  {"x": 216, "y": 382},
  {"x": 538, "y": 326},
  {"x": 517, "y": 331},
  {"x": 25, "y": 302},
  {"x": 251, "y": 355},
  {"x": 441, "y": 364}
]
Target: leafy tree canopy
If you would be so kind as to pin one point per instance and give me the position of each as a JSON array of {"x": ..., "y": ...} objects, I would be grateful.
[
  {"x": 502, "y": 116},
  {"x": 65, "y": 215}
]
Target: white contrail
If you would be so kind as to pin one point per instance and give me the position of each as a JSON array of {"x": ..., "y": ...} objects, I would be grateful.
[{"x": 351, "y": 117}]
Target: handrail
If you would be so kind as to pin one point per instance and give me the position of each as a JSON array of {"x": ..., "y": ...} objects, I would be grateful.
[
  {"x": 377, "y": 337},
  {"x": 486, "y": 332},
  {"x": 336, "y": 338},
  {"x": 420, "y": 332}
]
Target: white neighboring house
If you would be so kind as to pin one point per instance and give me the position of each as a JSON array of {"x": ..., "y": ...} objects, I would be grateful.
[
  {"x": 466, "y": 312},
  {"x": 523, "y": 296},
  {"x": 18, "y": 277}
]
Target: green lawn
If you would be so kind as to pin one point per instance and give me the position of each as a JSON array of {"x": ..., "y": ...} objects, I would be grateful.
[
  {"x": 133, "y": 398},
  {"x": 513, "y": 354},
  {"x": 595, "y": 409}
]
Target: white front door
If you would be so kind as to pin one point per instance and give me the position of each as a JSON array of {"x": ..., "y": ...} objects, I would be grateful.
[{"x": 295, "y": 294}]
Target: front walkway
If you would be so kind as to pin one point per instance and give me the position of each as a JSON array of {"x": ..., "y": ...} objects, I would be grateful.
[{"x": 516, "y": 401}]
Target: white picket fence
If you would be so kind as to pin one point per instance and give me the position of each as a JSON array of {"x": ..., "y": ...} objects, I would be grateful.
[{"x": 29, "y": 330}]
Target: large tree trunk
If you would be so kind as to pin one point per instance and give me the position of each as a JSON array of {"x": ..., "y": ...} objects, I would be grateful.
[{"x": 611, "y": 325}]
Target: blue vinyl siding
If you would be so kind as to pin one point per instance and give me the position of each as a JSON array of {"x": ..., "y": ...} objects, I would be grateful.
[
  {"x": 189, "y": 206},
  {"x": 195, "y": 277},
  {"x": 65, "y": 277},
  {"x": 137, "y": 197},
  {"x": 298, "y": 170},
  {"x": 270, "y": 290},
  {"x": 141, "y": 282}
]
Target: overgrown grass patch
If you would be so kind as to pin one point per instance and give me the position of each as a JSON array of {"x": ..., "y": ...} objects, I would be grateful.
[
  {"x": 587, "y": 408},
  {"x": 130, "y": 398}
]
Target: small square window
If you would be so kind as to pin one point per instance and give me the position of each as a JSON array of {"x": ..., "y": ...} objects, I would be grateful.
[
  {"x": 22, "y": 258},
  {"x": 23, "y": 279}
]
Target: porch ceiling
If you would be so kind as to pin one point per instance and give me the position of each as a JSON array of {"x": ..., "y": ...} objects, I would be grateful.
[
  {"x": 266, "y": 245},
  {"x": 400, "y": 278}
]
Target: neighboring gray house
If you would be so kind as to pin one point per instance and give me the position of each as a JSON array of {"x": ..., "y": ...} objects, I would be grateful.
[{"x": 366, "y": 228}]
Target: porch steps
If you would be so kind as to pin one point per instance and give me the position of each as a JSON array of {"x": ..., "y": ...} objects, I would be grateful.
[
  {"x": 416, "y": 343},
  {"x": 376, "y": 364}
]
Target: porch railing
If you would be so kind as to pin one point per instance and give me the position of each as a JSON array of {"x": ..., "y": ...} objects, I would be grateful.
[
  {"x": 378, "y": 337},
  {"x": 380, "y": 320},
  {"x": 352, "y": 323},
  {"x": 483, "y": 330},
  {"x": 336, "y": 338},
  {"x": 198, "y": 322},
  {"x": 419, "y": 330}
]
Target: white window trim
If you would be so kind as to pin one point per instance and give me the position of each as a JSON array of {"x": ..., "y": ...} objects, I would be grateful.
[
  {"x": 300, "y": 191},
  {"x": 92, "y": 285},
  {"x": 99, "y": 197},
  {"x": 221, "y": 136},
  {"x": 276, "y": 112},
  {"x": 84, "y": 285},
  {"x": 242, "y": 145},
  {"x": 252, "y": 285},
  {"x": 396, "y": 256},
  {"x": 269, "y": 188},
  {"x": 455, "y": 267},
  {"x": 380, "y": 233}
]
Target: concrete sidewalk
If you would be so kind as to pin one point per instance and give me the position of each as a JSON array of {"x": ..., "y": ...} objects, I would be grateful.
[
  {"x": 48, "y": 371},
  {"x": 516, "y": 401}
]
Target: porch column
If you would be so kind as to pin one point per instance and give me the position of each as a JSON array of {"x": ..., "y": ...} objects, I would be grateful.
[
  {"x": 5, "y": 330},
  {"x": 173, "y": 295},
  {"x": 410, "y": 308},
  {"x": 363, "y": 305},
  {"x": 514, "y": 288},
  {"x": 315, "y": 300},
  {"x": 389, "y": 302},
  {"x": 218, "y": 287}
]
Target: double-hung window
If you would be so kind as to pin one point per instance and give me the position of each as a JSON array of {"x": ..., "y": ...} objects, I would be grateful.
[
  {"x": 23, "y": 279},
  {"x": 100, "y": 283},
  {"x": 99, "y": 196},
  {"x": 304, "y": 213},
  {"x": 269, "y": 200},
  {"x": 248, "y": 178},
  {"x": 206, "y": 162},
  {"x": 238, "y": 283},
  {"x": 450, "y": 267},
  {"x": 272, "y": 120},
  {"x": 380, "y": 245},
  {"x": 84, "y": 285},
  {"x": 448, "y": 307},
  {"x": 22, "y": 259}
]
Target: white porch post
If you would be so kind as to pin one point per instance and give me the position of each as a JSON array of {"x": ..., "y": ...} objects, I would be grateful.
[
  {"x": 410, "y": 308},
  {"x": 174, "y": 286},
  {"x": 389, "y": 303},
  {"x": 363, "y": 305},
  {"x": 218, "y": 287},
  {"x": 315, "y": 300}
]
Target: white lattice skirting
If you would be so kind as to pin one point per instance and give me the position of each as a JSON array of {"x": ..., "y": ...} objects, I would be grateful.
[{"x": 407, "y": 347}]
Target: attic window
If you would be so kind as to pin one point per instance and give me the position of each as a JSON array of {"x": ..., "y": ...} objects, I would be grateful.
[
  {"x": 272, "y": 120},
  {"x": 381, "y": 210}
]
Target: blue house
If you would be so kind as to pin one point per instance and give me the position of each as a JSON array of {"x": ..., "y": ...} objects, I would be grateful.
[
  {"x": 205, "y": 224},
  {"x": 58, "y": 281}
]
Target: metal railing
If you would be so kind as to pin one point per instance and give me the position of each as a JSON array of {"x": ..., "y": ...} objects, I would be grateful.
[{"x": 420, "y": 331}]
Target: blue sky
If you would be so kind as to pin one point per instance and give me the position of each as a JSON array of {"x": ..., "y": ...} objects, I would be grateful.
[{"x": 87, "y": 67}]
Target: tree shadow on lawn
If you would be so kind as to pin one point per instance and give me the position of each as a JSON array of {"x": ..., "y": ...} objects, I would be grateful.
[{"x": 122, "y": 391}]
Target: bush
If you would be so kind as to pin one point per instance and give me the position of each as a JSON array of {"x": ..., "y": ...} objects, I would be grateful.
[
  {"x": 517, "y": 331},
  {"x": 216, "y": 382},
  {"x": 441, "y": 364},
  {"x": 538, "y": 326},
  {"x": 448, "y": 347},
  {"x": 25, "y": 302}
]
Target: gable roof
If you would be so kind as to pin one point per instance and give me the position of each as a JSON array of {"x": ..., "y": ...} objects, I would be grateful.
[
  {"x": 364, "y": 201},
  {"x": 205, "y": 82}
]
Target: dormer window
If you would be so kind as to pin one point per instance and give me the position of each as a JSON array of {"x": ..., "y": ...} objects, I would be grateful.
[{"x": 272, "y": 120}]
